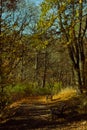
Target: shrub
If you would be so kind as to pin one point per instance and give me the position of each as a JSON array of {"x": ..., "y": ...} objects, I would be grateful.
[
  {"x": 44, "y": 91},
  {"x": 57, "y": 87},
  {"x": 19, "y": 91},
  {"x": 15, "y": 92}
]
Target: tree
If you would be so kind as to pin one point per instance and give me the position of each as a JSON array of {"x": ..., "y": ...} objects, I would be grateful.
[
  {"x": 68, "y": 19},
  {"x": 11, "y": 41}
]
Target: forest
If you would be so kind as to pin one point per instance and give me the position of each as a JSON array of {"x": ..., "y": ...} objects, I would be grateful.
[{"x": 43, "y": 64}]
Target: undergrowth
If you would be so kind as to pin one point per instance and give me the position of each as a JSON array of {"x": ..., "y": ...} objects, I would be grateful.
[{"x": 20, "y": 91}]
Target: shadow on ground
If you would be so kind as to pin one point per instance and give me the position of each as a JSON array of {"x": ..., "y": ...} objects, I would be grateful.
[
  {"x": 33, "y": 123},
  {"x": 37, "y": 116}
]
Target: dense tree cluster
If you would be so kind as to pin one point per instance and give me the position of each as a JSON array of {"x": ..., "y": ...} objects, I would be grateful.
[{"x": 44, "y": 44}]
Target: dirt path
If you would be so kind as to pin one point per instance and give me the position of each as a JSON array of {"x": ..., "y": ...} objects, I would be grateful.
[{"x": 37, "y": 116}]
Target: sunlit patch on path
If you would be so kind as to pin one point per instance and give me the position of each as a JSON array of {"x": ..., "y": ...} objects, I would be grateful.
[{"x": 35, "y": 113}]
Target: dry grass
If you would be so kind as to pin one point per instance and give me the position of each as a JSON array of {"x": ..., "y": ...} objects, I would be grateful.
[
  {"x": 65, "y": 94},
  {"x": 68, "y": 96}
]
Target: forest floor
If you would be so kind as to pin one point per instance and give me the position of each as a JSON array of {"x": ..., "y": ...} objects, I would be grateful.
[{"x": 35, "y": 114}]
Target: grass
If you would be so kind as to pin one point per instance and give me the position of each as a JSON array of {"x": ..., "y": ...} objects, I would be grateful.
[
  {"x": 22, "y": 93},
  {"x": 66, "y": 93}
]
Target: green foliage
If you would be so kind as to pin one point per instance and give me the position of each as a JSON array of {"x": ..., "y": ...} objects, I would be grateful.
[
  {"x": 16, "y": 89},
  {"x": 19, "y": 91},
  {"x": 15, "y": 92},
  {"x": 30, "y": 89},
  {"x": 44, "y": 91},
  {"x": 57, "y": 87}
]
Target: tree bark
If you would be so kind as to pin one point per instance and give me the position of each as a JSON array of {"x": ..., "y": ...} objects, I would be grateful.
[{"x": 45, "y": 70}]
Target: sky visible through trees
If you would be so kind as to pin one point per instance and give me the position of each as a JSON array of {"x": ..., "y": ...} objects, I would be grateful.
[
  {"x": 43, "y": 56},
  {"x": 36, "y": 1},
  {"x": 43, "y": 45}
]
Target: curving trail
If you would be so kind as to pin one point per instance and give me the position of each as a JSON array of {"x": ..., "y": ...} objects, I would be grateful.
[{"x": 37, "y": 116}]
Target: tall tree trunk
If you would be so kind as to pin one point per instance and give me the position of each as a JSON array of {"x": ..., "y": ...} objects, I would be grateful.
[
  {"x": 36, "y": 66},
  {"x": 80, "y": 84},
  {"x": 45, "y": 70}
]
